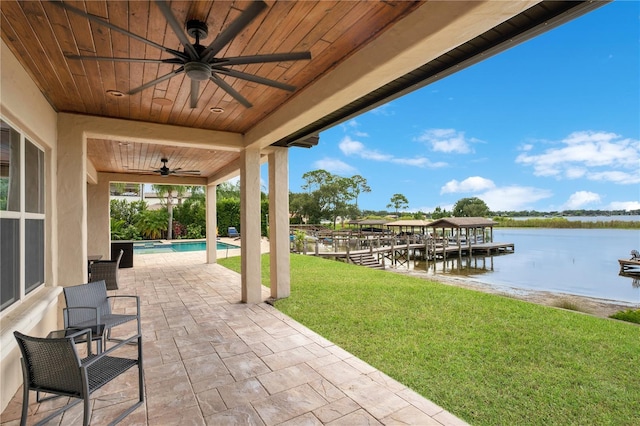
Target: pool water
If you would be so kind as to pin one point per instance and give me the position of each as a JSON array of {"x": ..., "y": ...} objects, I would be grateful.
[{"x": 148, "y": 247}]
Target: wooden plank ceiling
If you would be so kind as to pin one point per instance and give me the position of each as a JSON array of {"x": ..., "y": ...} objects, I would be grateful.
[{"x": 41, "y": 35}]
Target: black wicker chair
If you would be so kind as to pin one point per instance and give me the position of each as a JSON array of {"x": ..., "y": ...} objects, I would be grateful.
[
  {"x": 89, "y": 305},
  {"x": 107, "y": 271},
  {"x": 52, "y": 365}
]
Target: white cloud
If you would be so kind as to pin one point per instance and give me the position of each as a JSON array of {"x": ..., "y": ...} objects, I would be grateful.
[
  {"x": 447, "y": 140},
  {"x": 333, "y": 165},
  {"x": 419, "y": 162},
  {"x": 579, "y": 199},
  {"x": 599, "y": 156},
  {"x": 353, "y": 127},
  {"x": 470, "y": 184},
  {"x": 616, "y": 176},
  {"x": 384, "y": 110},
  {"x": 351, "y": 147},
  {"x": 624, "y": 205},
  {"x": 513, "y": 197}
]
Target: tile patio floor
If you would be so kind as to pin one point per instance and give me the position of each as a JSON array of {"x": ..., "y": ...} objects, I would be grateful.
[{"x": 211, "y": 360}]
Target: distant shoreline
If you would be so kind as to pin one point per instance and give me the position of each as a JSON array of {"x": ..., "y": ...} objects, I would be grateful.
[{"x": 596, "y": 222}]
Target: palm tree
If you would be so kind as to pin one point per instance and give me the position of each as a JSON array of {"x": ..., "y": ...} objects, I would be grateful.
[
  {"x": 166, "y": 192},
  {"x": 152, "y": 224}
]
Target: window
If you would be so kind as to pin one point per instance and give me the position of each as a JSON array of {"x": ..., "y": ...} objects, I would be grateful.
[{"x": 22, "y": 215}]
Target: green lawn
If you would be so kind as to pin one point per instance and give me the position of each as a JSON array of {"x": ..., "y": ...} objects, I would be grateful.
[{"x": 488, "y": 359}]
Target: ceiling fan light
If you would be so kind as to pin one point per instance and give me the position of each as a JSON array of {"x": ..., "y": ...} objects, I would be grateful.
[
  {"x": 199, "y": 71},
  {"x": 162, "y": 101},
  {"x": 115, "y": 93}
]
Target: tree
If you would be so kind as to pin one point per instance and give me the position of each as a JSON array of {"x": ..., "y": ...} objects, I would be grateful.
[
  {"x": 316, "y": 179},
  {"x": 302, "y": 208},
  {"x": 398, "y": 202},
  {"x": 440, "y": 213},
  {"x": 470, "y": 207},
  {"x": 191, "y": 214},
  {"x": 327, "y": 196},
  {"x": 167, "y": 193},
  {"x": 124, "y": 218},
  {"x": 152, "y": 223},
  {"x": 358, "y": 185},
  {"x": 228, "y": 190}
]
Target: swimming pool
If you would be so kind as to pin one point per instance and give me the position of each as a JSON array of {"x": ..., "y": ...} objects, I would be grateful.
[{"x": 148, "y": 247}]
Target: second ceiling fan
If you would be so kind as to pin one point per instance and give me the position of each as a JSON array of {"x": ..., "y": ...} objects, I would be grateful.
[{"x": 199, "y": 62}]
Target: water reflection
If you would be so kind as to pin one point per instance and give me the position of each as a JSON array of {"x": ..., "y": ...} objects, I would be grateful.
[
  {"x": 635, "y": 279},
  {"x": 574, "y": 261},
  {"x": 464, "y": 266}
]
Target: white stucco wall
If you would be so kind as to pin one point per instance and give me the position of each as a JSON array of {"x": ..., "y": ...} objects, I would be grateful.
[{"x": 22, "y": 105}]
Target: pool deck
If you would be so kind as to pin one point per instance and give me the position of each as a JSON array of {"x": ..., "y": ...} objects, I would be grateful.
[{"x": 211, "y": 360}]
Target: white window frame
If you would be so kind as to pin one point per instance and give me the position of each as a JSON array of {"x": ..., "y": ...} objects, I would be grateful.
[{"x": 23, "y": 215}]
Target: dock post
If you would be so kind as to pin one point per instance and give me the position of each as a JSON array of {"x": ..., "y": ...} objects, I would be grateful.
[{"x": 393, "y": 253}]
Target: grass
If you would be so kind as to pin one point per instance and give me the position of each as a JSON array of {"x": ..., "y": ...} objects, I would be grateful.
[{"x": 488, "y": 359}]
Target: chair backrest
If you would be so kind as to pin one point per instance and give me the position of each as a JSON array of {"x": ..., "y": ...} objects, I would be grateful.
[
  {"x": 86, "y": 295},
  {"x": 232, "y": 232},
  {"x": 119, "y": 258},
  {"x": 50, "y": 364}
]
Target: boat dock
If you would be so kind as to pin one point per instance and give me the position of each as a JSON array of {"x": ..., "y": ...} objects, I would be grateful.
[
  {"x": 631, "y": 266},
  {"x": 395, "y": 251},
  {"x": 377, "y": 243}
]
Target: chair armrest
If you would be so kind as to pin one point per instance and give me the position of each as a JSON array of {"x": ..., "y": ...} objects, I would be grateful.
[
  {"x": 129, "y": 296},
  {"x": 137, "y": 308},
  {"x": 88, "y": 339},
  {"x": 65, "y": 314}
]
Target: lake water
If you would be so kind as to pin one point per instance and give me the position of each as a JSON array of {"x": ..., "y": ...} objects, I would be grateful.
[{"x": 575, "y": 261}]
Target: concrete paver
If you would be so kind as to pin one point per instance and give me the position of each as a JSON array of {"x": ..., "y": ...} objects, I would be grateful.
[{"x": 211, "y": 360}]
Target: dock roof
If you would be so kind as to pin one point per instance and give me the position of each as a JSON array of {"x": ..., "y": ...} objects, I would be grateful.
[
  {"x": 410, "y": 222},
  {"x": 368, "y": 222},
  {"x": 462, "y": 222}
]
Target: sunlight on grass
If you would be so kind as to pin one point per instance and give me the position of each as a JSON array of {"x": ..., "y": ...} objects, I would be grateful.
[{"x": 488, "y": 359}]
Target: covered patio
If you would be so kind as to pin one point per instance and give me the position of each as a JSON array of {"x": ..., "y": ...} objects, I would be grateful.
[
  {"x": 89, "y": 98},
  {"x": 210, "y": 359}
]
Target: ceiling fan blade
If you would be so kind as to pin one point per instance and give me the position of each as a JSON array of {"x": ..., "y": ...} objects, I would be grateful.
[
  {"x": 229, "y": 33},
  {"x": 255, "y": 59},
  {"x": 195, "y": 91},
  {"x": 230, "y": 90},
  {"x": 186, "y": 172},
  {"x": 108, "y": 58},
  {"x": 156, "y": 81},
  {"x": 107, "y": 24},
  {"x": 255, "y": 79},
  {"x": 177, "y": 28}
]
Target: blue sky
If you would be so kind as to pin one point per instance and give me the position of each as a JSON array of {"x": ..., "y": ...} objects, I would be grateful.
[{"x": 549, "y": 125}]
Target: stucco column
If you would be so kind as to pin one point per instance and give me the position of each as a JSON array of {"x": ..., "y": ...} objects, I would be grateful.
[
  {"x": 71, "y": 203},
  {"x": 212, "y": 224},
  {"x": 98, "y": 219},
  {"x": 279, "y": 223},
  {"x": 250, "y": 225}
]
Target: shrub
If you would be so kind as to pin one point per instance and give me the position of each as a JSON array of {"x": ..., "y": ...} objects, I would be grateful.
[
  {"x": 569, "y": 305},
  {"x": 629, "y": 315}
]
